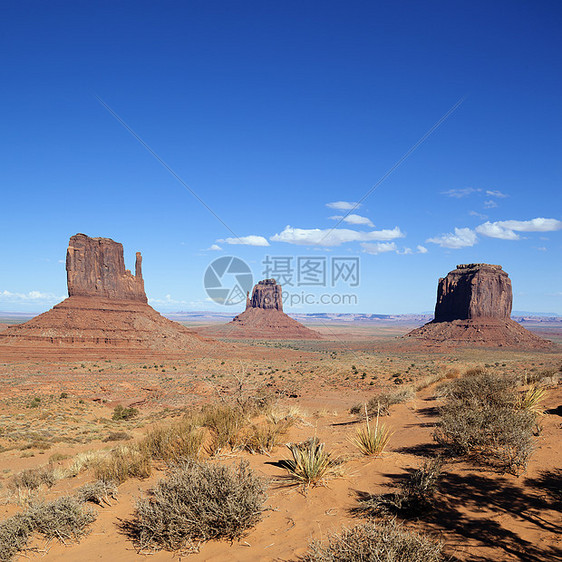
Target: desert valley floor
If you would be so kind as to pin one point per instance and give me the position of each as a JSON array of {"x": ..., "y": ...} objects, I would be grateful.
[{"x": 56, "y": 412}]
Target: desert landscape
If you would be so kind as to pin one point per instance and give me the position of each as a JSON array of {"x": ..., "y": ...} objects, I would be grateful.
[
  {"x": 281, "y": 281},
  {"x": 442, "y": 450}
]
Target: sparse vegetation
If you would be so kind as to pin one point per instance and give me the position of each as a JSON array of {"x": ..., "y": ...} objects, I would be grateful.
[
  {"x": 123, "y": 463},
  {"x": 414, "y": 497},
  {"x": 99, "y": 492},
  {"x": 122, "y": 413},
  {"x": 382, "y": 402},
  {"x": 198, "y": 502},
  {"x": 33, "y": 478},
  {"x": 64, "y": 519},
  {"x": 225, "y": 423},
  {"x": 482, "y": 417},
  {"x": 375, "y": 542},
  {"x": 174, "y": 442}
]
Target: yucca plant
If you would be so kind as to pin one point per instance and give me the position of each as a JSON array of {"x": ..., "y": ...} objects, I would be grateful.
[
  {"x": 532, "y": 399},
  {"x": 310, "y": 463},
  {"x": 372, "y": 440}
]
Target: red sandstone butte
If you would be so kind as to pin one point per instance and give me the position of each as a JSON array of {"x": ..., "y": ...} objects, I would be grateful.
[
  {"x": 107, "y": 307},
  {"x": 474, "y": 307},
  {"x": 264, "y": 317}
]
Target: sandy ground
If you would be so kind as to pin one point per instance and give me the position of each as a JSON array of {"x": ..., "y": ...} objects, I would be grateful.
[{"x": 480, "y": 514}]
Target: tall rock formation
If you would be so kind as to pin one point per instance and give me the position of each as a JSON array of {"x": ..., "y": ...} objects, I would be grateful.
[
  {"x": 474, "y": 306},
  {"x": 475, "y": 290},
  {"x": 266, "y": 295},
  {"x": 264, "y": 317},
  {"x": 95, "y": 267},
  {"x": 107, "y": 308}
]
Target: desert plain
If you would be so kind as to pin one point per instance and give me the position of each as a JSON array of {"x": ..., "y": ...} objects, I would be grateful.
[{"x": 57, "y": 411}]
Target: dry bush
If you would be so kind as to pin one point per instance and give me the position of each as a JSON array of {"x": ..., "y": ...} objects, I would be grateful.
[
  {"x": 264, "y": 437},
  {"x": 482, "y": 417},
  {"x": 415, "y": 496},
  {"x": 310, "y": 464},
  {"x": 117, "y": 436},
  {"x": 64, "y": 519},
  {"x": 198, "y": 502},
  {"x": 225, "y": 423},
  {"x": 14, "y": 535},
  {"x": 84, "y": 461},
  {"x": 382, "y": 402},
  {"x": 173, "y": 443},
  {"x": 33, "y": 478},
  {"x": 123, "y": 463},
  {"x": 99, "y": 492},
  {"x": 375, "y": 542}
]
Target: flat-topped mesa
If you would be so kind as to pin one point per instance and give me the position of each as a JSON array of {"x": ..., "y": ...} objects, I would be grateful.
[
  {"x": 95, "y": 267},
  {"x": 267, "y": 294},
  {"x": 475, "y": 290}
]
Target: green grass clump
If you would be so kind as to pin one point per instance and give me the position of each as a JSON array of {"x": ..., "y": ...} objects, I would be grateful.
[
  {"x": 122, "y": 413},
  {"x": 310, "y": 464}
]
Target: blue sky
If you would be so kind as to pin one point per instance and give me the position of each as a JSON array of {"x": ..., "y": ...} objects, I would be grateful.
[{"x": 271, "y": 113}]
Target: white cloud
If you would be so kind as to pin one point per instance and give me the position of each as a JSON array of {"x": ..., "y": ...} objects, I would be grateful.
[
  {"x": 422, "y": 249},
  {"x": 490, "y": 204},
  {"x": 461, "y": 238},
  {"x": 378, "y": 247},
  {"x": 507, "y": 230},
  {"x": 214, "y": 248},
  {"x": 460, "y": 192},
  {"x": 495, "y": 193},
  {"x": 354, "y": 219},
  {"x": 251, "y": 240},
  {"x": 495, "y": 230},
  {"x": 31, "y": 296},
  {"x": 343, "y": 205},
  {"x": 332, "y": 237},
  {"x": 476, "y": 214}
]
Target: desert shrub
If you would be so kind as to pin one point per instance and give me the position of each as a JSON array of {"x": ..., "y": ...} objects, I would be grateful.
[
  {"x": 225, "y": 423},
  {"x": 64, "y": 519},
  {"x": 482, "y": 417},
  {"x": 33, "y": 478},
  {"x": 382, "y": 402},
  {"x": 14, "y": 535},
  {"x": 264, "y": 437},
  {"x": 173, "y": 443},
  {"x": 310, "y": 464},
  {"x": 375, "y": 542},
  {"x": 117, "y": 436},
  {"x": 198, "y": 502},
  {"x": 99, "y": 492},
  {"x": 372, "y": 439},
  {"x": 415, "y": 496},
  {"x": 123, "y": 463},
  {"x": 121, "y": 413}
]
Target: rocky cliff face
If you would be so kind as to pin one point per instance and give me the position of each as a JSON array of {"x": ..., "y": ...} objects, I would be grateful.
[
  {"x": 95, "y": 268},
  {"x": 476, "y": 290},
  {"x": 267, "y": 295}
]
